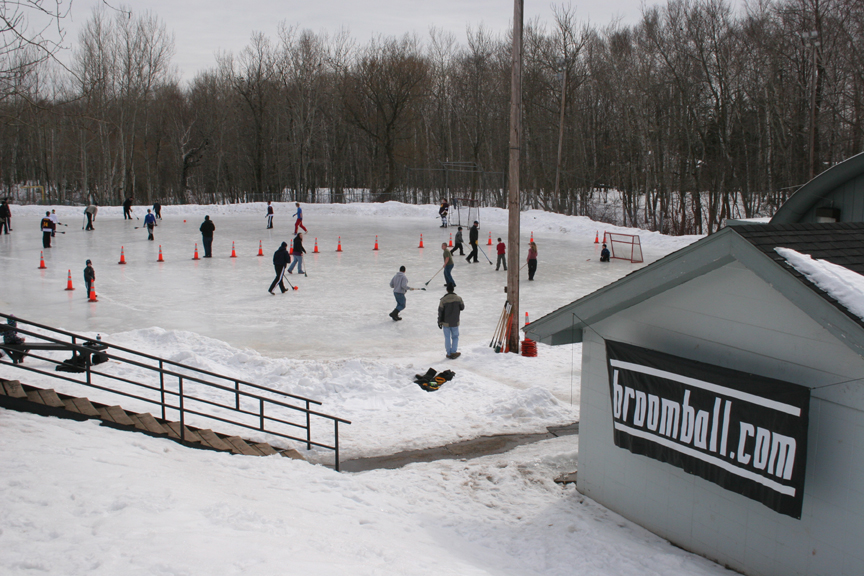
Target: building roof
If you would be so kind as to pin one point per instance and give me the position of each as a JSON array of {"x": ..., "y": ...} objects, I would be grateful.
[
  {"x": 752, "y": 245},
  {"x": 814, "y": 191}
]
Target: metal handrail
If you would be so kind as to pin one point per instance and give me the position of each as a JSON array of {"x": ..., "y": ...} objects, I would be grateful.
[{"x": 265, "y": 419}]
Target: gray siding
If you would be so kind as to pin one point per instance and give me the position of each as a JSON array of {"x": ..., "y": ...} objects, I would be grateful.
[
  {"x": 732, "y": 318},
  {"x": 848, "y": 197}
]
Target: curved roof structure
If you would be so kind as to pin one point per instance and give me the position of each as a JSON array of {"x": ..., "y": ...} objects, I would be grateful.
[{"x": 841, "y": 186}]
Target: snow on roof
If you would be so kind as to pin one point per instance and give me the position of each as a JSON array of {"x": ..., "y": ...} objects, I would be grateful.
[{"x": 842, "y": 284}]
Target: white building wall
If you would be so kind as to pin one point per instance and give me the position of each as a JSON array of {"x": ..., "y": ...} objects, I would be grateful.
[{"x": 731, "y": 318}]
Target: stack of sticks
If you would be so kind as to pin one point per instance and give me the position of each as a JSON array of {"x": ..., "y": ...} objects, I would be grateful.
[{"x": 501, "y": 337}]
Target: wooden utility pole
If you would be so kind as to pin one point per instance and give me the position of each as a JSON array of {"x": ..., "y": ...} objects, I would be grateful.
[{"x": 513, "y": 203}]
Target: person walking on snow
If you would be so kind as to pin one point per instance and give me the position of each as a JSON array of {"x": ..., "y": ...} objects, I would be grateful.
[
  {"x": 90, "y": 212},
  {"x": 473, "y": 238},
  {"x": 399, "y": 284},
  {"x": 127, "y": 209},
  {"x": 89, "y": 277},
  {"x": 502, "y": 248},
  {"x": 299, "y": 222},
  {"x": 270, "y": 216},
  {"x": 448, "y": 265},
  {"x": 298, "y": 252},
  {"x": 532, "y": 260},
  {"x": 47, "y": 226},
  {"x": 207, "y": 228},
  {"x": 280, "y": 261},
  {"x": 157, "y": 209},
  {"x": 449, "y": 308},
  {"x": 149, "y": 223},
  {"x": 458, "y": 243},
  {"x": 442, "y": 211}
]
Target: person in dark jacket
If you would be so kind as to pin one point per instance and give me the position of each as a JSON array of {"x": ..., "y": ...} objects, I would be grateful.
[
  {"x": 532, "y": 260},
  {"x": 449, "y": 308},
  {"x": 47, "y": 226},
  {"x": 442, "y": 212},
  {"x": 89, "y": 277},
  {"x": 298, "y": 252},
  {"x": 127, "y": 209},
  {"x": 473, "y": 237},
  {"x": 280, "y": 261},
  {"x": 457, "y": 245},
  {"x": 604, "y": 254},
  {"x": 157, "y": 209},
  {"x": 269, "y": 215},
  {"x": 207, "y": 229},
  {"x": 150, "y": 224},
  {"x": 5, "y": 216}
]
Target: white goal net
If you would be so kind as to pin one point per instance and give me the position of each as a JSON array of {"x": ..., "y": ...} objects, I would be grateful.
[
  {"x": 624, "y": 246},
  {"x": 463, "y": 212}
]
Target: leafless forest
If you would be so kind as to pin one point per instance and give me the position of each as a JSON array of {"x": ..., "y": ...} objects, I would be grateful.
[{"x": 695, "y": 115}]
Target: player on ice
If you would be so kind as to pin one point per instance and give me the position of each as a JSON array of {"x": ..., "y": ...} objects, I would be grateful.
[
  {"x": 449, "y": 308},
  {"x": 298, "y": 252},
  {"x": 90, "y": 212},
  {"x": 442, "y": 211},
  {"x": 269, "y": 216},
  {"x": 299, "y": 222},
  {"x": 47, "y": 226},
  {"x": 127, "y": 208},
  {"x": 604, "y": 254},
  {"x": 55, "y": 220},
  {"x": 149, "y": 223},
  {"x": 207, "y": 228},
  {"x": 502, "y": 259},
  {"x": 473, "y": 238},
  {"x": 280, "y": 261},
  {"x": 448, "y": 265},
  {"x": 399, "y": 284},
  {"x": 89, "y": 277},
  {"x": 457, "y": 245}
]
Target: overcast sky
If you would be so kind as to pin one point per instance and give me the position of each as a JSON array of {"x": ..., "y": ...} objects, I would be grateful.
[{"x": 204, "y": 27}]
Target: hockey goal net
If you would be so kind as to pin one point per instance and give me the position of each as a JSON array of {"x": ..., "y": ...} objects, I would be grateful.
[
  {"x": 464, "y": 211},
  {"x": 624, "y": 246}
]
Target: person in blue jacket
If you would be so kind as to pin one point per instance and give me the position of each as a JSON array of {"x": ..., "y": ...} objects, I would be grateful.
[
  {"x": 604, "y": 254},
  {"x": 150, "y": 223}
]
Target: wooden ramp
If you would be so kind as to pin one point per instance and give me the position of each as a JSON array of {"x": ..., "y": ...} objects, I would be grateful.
[{"x": 26, "y": 398}]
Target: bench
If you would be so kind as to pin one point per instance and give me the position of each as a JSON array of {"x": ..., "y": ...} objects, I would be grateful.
[{"x": 78, "y": 363}]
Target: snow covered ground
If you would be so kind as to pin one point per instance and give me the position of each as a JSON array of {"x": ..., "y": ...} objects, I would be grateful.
[{"x": 75, "y": 496}]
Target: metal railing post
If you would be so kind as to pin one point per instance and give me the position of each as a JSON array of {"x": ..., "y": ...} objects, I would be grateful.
[
  {"x": 162, "y": 387},
  {"x": 261, "y": 408},
  {"x": 308, "y": 428},
  {"x": 336, "y": 443},
  {"x": 237, "y": 395},
  {"x": 182, "y": 422}
]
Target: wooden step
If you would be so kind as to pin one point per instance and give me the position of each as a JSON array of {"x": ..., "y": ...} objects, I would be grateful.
[
  {"x": 115, "y": 414},
  {"x": 211, "y": 439},
  {"x": 148, "y": 423},
  {"x": 174, "y": 431},
  {"x": 81, "y": 405},
  {"x": 47, "y": 397},
  {"x": 291, "y": 453},
  {"x": 265, "y": 449},
  {"x": 239, "y": 446},
  {"x": 13, "y": 388}
]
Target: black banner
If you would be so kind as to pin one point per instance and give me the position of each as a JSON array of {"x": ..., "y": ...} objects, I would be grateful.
[{"x": 744, "y": 432}]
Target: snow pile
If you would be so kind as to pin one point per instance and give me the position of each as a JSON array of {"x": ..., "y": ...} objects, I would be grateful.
[{"x": 842, "y": 284}]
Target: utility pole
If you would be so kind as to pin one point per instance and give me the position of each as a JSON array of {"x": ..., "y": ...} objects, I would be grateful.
[
  {"x": 513, "y": 203},
  {"x": 811, "y": 40}
]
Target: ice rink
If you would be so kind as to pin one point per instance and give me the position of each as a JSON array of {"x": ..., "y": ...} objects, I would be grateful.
[{"x": 340, "y": 309}]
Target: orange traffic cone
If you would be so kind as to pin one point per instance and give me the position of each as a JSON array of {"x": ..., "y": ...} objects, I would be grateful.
[
  {"x": 339, "y": 246},
  {"x": 315, "y": 251},
  {"x": 291, "y": 248},
  {"x": 160, "y": 259},
  {"x": 69, "y": 282},
  {"x": 41, "y": 261},
  {"x": 195, "y": 257},
  {"x": 526, "y": 318},
  {"x": 233, "y": 252},
  {"x": 490, "y": 239},
  {"x": 604, "y": 237},
  {"x": 532, "y": 237},
  {"x": 451, "y": 241},
  {"x": 93, "y": 291},
  {"x": 597, "y": 237},
  {"x": 376, "y": 243},
  {"x": 122, "y": 256},
  {"x": 260, "y": 249},
  {"x": 421, "y": 241}
]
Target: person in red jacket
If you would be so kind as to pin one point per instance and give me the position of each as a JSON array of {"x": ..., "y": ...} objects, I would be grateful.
[{"x": 502, "y": 249}]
